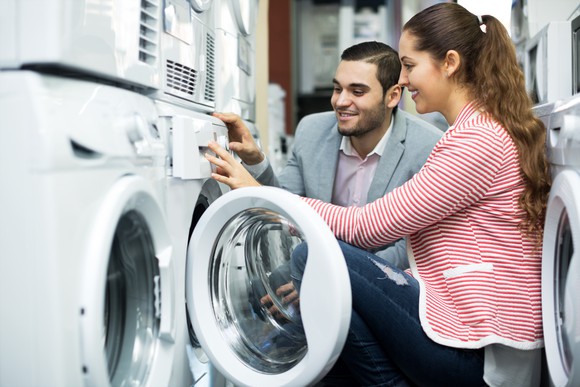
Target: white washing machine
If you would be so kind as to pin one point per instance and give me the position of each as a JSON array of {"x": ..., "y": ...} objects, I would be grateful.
[
  {"x": 561, "y": 260},
  {"x": 252, "y": 235},
  {"x": 115, "y": 40},
  {"x": 86, "y": 294},
  {"x": 188, "y": 54},
  {"x": 239, "y": 242},
  {"x": 189, "y": 192},
  {"x": 94, "y": 294},
  {"x": 236, "y": 57}
]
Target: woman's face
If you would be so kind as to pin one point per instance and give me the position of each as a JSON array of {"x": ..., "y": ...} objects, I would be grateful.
[{"x": 423, "y": 77}]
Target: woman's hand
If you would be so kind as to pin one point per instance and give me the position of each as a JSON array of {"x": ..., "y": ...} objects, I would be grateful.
[{"x": 228, "y": 170}]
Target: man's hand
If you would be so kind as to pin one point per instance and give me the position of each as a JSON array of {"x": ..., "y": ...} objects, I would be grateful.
[{"x": 241, "y": 140}]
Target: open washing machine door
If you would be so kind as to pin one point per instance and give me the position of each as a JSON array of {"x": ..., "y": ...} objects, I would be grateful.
[
  {"x": 561, "y": 280},
  {"x": 243, "y": 263}
]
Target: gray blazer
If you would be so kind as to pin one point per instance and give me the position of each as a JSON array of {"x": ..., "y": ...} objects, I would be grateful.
[{"x": 312, "y": 164}]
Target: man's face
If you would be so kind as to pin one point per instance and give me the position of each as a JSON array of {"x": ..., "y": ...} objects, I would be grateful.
[{"x": 358, "y": 98}]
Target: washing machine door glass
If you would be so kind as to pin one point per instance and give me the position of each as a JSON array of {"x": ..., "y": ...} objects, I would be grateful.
[
  {"x": 269, "y": 288},
  {"x": 127, "y": 296},
  {"x": 129, "y": 305},
  {"x": 561, "y": 280}
]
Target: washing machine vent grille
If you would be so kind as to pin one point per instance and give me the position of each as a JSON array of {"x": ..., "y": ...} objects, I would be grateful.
[
  {"x": 210, "y": 74},
  {"x": 149, "y": 32},
  {"x": 181, "y": 78}
]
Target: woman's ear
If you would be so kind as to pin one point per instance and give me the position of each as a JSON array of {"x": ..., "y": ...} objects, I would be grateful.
[
  {"x": 452, "y": 62},
  {"x": 393, "y": 96}
]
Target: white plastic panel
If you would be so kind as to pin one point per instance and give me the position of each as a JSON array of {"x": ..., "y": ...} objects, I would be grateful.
[{"x": 189, "y": 143}]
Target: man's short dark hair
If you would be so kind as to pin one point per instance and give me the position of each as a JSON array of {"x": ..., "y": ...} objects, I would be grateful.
[{"x": 383, "y": 55}]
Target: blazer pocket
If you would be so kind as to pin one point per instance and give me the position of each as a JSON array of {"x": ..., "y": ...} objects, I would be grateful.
[{"x": 473, "y": 291}]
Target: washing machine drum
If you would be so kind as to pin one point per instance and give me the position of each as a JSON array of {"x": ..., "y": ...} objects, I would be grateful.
[
  {"x": 561, "y": 280},
  {"x": 269, "y": 289}
]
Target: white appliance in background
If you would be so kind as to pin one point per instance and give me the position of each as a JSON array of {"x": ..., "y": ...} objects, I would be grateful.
[
  {"x": 548, "y": 63},
  {"x": 560, "y": 259},
  {"x": 528, "y": 17},
  {"x": 575, "y": 24},
  {"x": 280, "y": 143},
  {"x": 255, "y": 133},
  {"x": 519, "y": 32},
  {"x": 236, "y": 57},
  {"x": 116, "y": 40},
  {"x": 188, "y": 54},
  {"x": 87, "y": 294},
  {"x": 189, "y": 192}
]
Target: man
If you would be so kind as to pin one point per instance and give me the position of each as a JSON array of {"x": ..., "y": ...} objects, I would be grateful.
[{"x": 363, "y": 149}]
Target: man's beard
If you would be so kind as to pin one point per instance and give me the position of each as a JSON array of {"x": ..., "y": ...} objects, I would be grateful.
[{"x": 372, "y": 120}]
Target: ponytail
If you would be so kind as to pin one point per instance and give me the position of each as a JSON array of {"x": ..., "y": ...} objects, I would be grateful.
[{"x": 500, "y": 85}]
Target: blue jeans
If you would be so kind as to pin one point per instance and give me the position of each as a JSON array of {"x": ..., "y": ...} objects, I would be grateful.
[{"x": 386, "y": 345}]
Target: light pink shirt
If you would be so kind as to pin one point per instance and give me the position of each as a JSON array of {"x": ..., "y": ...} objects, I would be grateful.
[{"x": 354, "y": 174}]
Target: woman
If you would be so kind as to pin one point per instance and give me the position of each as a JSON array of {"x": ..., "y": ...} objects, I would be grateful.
[{"x": 468, "y": 312}]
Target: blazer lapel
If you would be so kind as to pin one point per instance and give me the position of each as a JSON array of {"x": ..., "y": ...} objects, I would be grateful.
[
  {"x": 328, "y": 160},
  {"x": 389, "y": 160}
]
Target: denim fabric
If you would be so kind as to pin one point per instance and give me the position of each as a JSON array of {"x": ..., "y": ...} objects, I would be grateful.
[{"x": 386, "y": 345}]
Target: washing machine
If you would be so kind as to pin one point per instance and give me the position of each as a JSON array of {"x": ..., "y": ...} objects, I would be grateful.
[
  {"x": 189, "y": 192},
  {"x": 261, "y": 232},
  {"x": 236, "y": 57},
  {"x": 87, "y": 291},
  {"x": 116, "y": 41},
  {"x": 188, "y": 54},
  {"x": 560, "y": 259}
]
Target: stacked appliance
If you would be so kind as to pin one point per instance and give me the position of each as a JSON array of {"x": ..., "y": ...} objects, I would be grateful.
[
  {"x": 188, "y": 54},
  {"x": 236, "y": 59},
  {"x": 126, "y": 264}
]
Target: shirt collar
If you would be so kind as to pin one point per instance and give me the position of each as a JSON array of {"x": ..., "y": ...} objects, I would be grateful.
[
  {"x": 468, "y": 111},
  {"x": 347, "y": 149}
]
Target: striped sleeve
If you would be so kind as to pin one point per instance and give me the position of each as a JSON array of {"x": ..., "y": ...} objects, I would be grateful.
[{"x": 458, "y": 173}]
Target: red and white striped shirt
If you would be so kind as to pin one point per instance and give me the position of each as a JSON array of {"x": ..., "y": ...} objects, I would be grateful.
[{"x": 479, "y": 274}]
